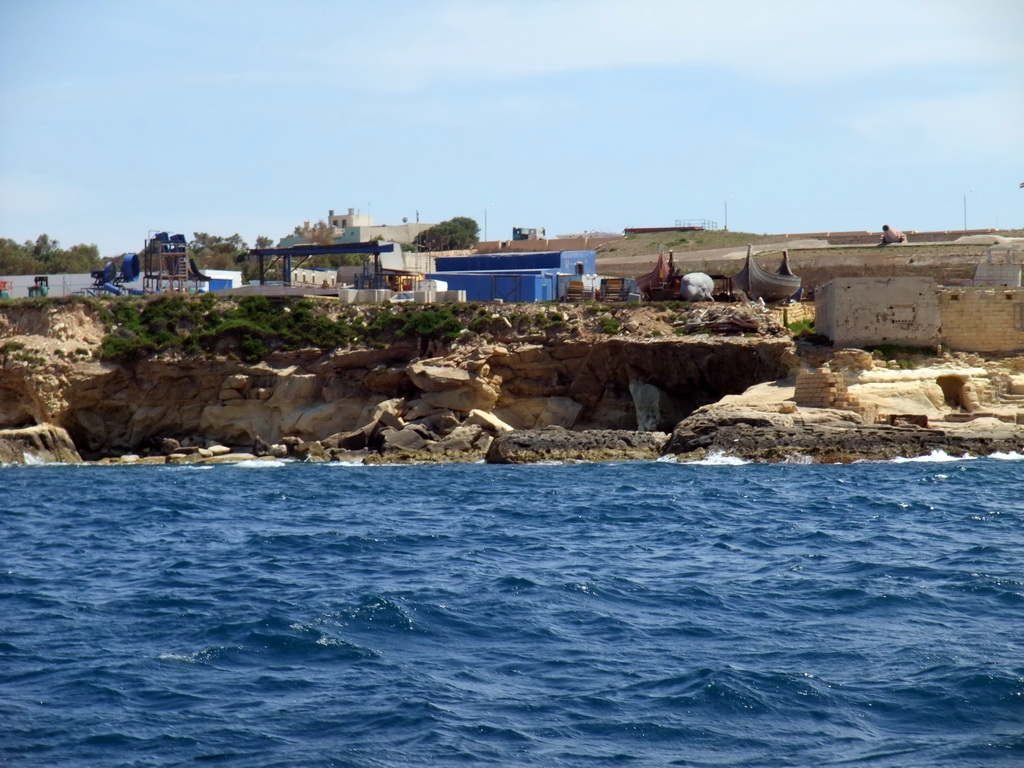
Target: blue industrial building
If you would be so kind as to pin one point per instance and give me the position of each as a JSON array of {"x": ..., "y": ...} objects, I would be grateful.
[
  {"x": 507, "y": 286},
  {"x": 514, "y": 277},
  {"x": 566, "y": 262}
]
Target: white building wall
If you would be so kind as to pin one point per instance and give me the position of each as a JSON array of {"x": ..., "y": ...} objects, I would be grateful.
[
  {"x": 857, "y": 312},
  {"x": 350, "y": 219},
  {"x": 60, "y": 285}
]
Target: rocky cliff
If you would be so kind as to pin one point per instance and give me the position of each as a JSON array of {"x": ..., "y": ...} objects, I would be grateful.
[{"x": 509, "y": 367}]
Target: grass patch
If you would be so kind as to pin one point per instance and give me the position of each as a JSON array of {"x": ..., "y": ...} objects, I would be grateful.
[
  {"x": 905, "y": 357},
  {"x": 801, "y": 327}
]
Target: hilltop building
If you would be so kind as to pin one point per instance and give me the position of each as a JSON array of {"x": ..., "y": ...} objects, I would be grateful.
[{"x": 354, "y": 227}]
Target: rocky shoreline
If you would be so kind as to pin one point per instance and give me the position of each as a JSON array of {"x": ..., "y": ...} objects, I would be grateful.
[
  {"x": 576, "y": 384},
  {"x": 713, "y": 432},
  {"x": 809, "y": 443}
]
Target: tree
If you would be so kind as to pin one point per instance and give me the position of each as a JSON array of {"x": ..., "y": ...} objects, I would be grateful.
[
  {"x": 46, "y": 257},
  {"x": 320, "y": 233},
  {"x": 44, "y": 247},
  {"x": 17, "y": 259},
  {"x": 455, "y": 234},
  {"x": 215, "y": 252},
  {"x": 76, "y": 259}
]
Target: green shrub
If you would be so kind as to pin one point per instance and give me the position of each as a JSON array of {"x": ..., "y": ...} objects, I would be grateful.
[
  {"x": 252, "y": 349},
  {"x": 254, "y": 326},
  {"x": 610, "y": 325},
  {"x": 431, "y": 323},
  {"x": 120, "y": 347},
  {"x": 254, "y": 307}
]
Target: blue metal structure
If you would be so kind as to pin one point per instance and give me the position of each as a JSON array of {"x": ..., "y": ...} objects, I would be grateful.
[
  {"x": 372, "y": 274},
  {"x": 523, "y": 277},
  {"x": 111, "y": 279},
  {"x": 567, "y": 262},
  {"x": 167, "y": 265},
  {"x": 507, "y": 286}
]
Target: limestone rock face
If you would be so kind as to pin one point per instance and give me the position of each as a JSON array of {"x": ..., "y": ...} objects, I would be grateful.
[
  {"x": 655, "y": 410},
  {"x": 37, "y": 445},
  {"x": 559, "y": 412},
  {"x": 406, "y": 439},
  {"x": 455, "y": 388},
  {"x": 345, "y": 399},
  {"x": 690, "y": 372},
  {"x": 574, "y": 385},
  {"x": 486, "y": 421}
]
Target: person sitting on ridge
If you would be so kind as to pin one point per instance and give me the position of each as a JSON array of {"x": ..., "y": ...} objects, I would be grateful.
[{"x": 891, "y": 235}]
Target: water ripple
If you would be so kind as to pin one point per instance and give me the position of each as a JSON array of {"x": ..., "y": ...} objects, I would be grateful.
[{"x": 644, "y": 613}]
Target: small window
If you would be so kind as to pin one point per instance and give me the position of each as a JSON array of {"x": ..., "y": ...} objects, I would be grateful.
[{"x": 955, "y": 297}]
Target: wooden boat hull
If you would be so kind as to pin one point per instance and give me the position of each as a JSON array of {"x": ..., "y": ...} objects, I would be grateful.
[{"x": 757, "y": 283}]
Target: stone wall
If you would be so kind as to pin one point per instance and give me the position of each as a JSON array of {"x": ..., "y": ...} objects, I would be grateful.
[
  {"x": 982, "y": 319},
  {"x": 822, "y": 388},
  {"x": 793, "y": 313},
  {"x": 858, "y": 312}
]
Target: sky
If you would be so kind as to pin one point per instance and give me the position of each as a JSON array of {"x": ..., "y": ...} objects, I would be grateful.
[{"x": 121, "y": 118}]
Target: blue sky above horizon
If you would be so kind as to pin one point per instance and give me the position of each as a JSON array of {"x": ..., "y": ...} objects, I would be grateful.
[{"x": 119, "y": 118}]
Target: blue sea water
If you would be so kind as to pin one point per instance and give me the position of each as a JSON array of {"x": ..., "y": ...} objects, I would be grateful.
[{"x": 642, "y": 614}]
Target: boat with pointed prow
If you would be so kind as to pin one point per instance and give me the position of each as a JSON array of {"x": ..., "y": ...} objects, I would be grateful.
[{"x": 757, "y": 283}]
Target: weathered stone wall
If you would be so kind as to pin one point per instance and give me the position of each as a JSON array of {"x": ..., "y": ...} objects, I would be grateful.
[
  {"x": 821, "y": 388},
  {"x": 858, "y": 312},
  {"x": 793, "y": 313},
  {"x": 983, "y": 319}
]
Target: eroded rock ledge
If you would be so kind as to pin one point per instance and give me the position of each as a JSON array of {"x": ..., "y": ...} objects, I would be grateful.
[
  {"x": 758, "y": 439},
  {"x": 403, "y": 401},
  {"x": 555, "y": 444},
  {"x": 42, "y": 443},
  {"x": 573, "y": 392}
]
